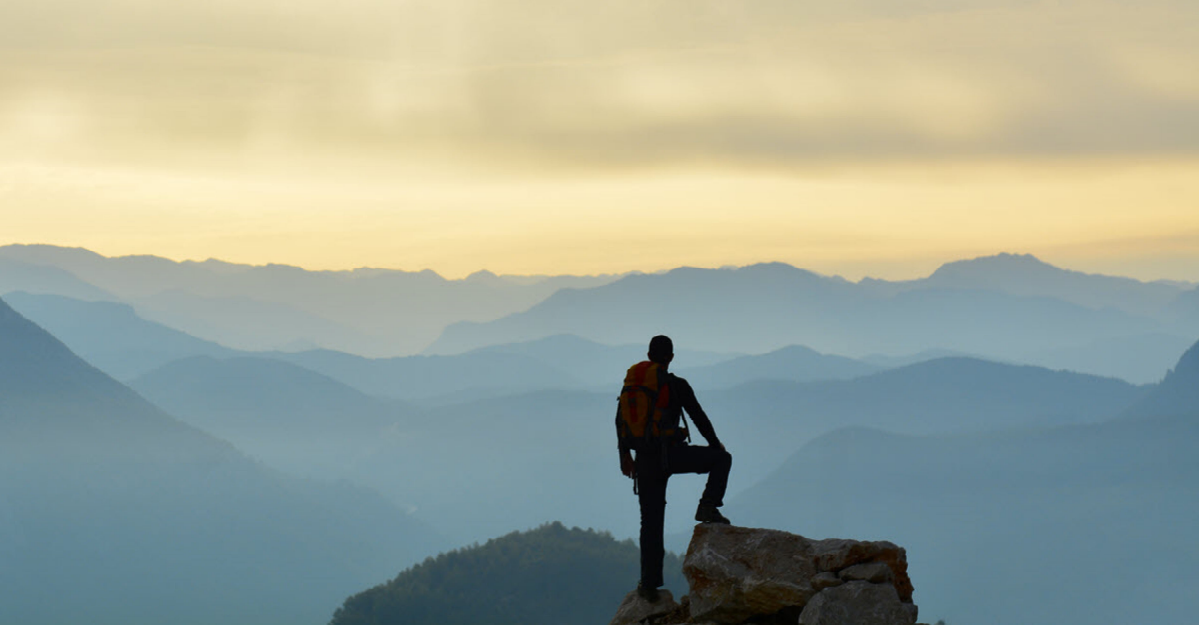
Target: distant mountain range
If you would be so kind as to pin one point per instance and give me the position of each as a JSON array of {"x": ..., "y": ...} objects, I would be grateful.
[
  {"x": 374, "y": 312},
  {"x": 793, "y": 363},
  {"x": 110, "y": 335},
  {"x": 115, "y": 339},
  {"x": 1006, "y": 307},
  {"x": 112, "y": 511},
  {"x": 1011, "y": 308}
]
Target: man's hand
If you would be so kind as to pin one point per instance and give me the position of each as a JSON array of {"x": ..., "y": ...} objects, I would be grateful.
[{"x": 627, "y": 467}]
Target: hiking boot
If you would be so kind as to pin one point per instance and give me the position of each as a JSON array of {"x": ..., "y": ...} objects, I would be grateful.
[
  {"x": 648, "y": 593},
  {"x": 709, "y": 514}
]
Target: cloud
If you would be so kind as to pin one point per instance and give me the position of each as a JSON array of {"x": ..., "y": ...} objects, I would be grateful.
[{"x": 567, "y": 83}]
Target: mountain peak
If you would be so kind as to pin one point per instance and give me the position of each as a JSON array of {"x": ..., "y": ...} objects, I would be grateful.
[
  {"x": 483, "y": 276},
  {"x": 44, "y": 252},
  {"x": 30, "y": 356},
  {"x": 1002, "y": 263},
  {"x": 1177, "y": 394},
  {"x": 1187, "y": 369}
]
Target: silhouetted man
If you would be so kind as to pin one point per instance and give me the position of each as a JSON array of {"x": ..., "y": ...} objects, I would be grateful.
[{"x": 659, "y": 458}]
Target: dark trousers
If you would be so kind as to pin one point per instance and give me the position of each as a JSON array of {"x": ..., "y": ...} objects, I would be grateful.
[{"x": 654, "y": 469}]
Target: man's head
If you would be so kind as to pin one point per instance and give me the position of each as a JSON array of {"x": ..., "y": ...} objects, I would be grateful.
[{"x": 661, "y": 349}]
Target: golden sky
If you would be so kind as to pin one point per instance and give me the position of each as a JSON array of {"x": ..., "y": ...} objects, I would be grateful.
[{"x": 867, "y": 137}]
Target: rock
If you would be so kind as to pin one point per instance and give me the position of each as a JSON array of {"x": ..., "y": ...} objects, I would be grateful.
[
  {"x": 825, "y": 580},
  {"x": 836, "y": 554},
  {"x": 873, "y": 572},
  {"x": 744, "y": 575},
  {"x": 635, "y": 610},
  {"x": 858, "y": 603},
  {"x": 737, "y": 573}
]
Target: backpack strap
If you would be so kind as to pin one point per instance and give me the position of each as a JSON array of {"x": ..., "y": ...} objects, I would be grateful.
[{"x": 682, "y": 413}]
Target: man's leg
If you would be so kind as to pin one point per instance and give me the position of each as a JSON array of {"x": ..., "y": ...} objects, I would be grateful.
[
  {"x": 715, "y": 462},
  {"x": 651, "y": 494}
]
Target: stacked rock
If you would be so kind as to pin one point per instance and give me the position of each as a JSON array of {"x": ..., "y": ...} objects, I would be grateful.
[{"x": 740, "y": 575}]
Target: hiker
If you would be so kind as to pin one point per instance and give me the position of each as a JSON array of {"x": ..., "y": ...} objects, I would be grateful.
[{"x": 650, "y": 422}]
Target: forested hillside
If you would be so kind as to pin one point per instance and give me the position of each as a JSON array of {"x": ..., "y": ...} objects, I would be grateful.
[{"x": 551, "y": 575}]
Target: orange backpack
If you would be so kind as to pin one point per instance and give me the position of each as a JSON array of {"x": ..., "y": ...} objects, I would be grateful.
[{"x": 641, "y": 406}]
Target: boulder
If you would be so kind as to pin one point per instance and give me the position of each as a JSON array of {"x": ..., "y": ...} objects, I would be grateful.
[
  {"x": 858, "y": 603},
  {"x": 744, "y": 575},
  {"x": 873, "y": 572},
  {"x": 737, "y": 573},
  {"x": 825, "y": 580},
  {"x": 835, "y": 554},
  {"x": 634, "y": 609}
]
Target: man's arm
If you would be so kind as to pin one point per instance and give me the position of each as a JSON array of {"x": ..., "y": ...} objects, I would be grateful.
[{"x": 687, "y": 398}]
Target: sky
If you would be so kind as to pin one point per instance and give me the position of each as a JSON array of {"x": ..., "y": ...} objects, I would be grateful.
[{"x": 862, "y": 137}]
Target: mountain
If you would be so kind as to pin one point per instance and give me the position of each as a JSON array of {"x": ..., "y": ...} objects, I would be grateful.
[
  {"x": 795, "y": 363},
  {"x": 1178, "y": 393},
  {"x": 111, "y": 511},
  {"x": 427, "y": 378},
  {"x": 593, "y": 362},
  {"x": 1005, "y": 307},
  {"x": 948, "y": 395},
  {"x": 19, "y": 276},
  {"x": 762, "y": 308},
  {"x": 115, "y": 339},
  {"x": 1034, "y": 526},
  {"x": 110, "y": 335},
  {"x": 1025, "y": 275},
  {"x": 286, "y": 416},
  {"x": 554, "y": 362},
  {"x": 550, "y": 575},
  {"x": 374, "y": 312},
  {"x": 884, "y": 361},
  {"x": 685, "y": 303},
  {"x": 1141, "y": 359}
]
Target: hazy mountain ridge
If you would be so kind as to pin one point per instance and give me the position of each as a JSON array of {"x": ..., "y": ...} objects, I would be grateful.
[
  {"x": 640, "y": 306},
  {"x": 114, "y": 512},
  {"x": 1004, "y": 307},
  {"x": 766, "y": 307},
  {"x": 1178, "y": 393},
  {"x": 111, "y": 335},
  {"x": 19, "y": 276},
  {"x": 793, "y": 363},
  {"x": 1026, "y": 275},
  {"x": 376, "y": 312},
  {"x": 934, "y": 397}
]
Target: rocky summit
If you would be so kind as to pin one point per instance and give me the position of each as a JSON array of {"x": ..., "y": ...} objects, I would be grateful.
[{"x": 745, "y": 575}]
